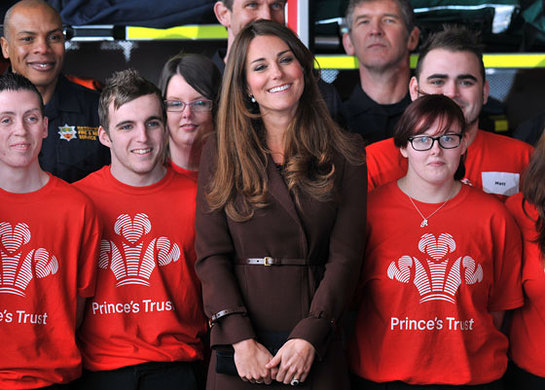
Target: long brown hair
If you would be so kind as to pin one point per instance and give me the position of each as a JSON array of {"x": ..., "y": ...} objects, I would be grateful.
[
  {"x": 239, "y": 184},
  {"x": 533, "y": 190}
]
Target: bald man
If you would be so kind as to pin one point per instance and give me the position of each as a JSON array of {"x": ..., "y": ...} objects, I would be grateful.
[{"x": 33, "y": 42}]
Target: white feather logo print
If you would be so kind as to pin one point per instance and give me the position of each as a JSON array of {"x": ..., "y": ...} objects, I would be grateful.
[
  {"x": 436, "y": 278},
  {"x": 133, "y": 255},
  {"x": 19, "y": 263}
]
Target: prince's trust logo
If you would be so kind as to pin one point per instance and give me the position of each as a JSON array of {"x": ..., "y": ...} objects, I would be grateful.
[
  {"x": 133, "y": 254},
  {"x": 20, "y": 264},
  {"x": 437, "y": 277}
]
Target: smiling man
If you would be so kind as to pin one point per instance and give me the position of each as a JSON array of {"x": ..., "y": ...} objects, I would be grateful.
[
  {"x": 381, "y": 34},
  {"x": 451, "y": 64},
  {"x": 33, "y": 42},
  {"x": 49, "y": 241},
  {"x": 143, "y": 329}
]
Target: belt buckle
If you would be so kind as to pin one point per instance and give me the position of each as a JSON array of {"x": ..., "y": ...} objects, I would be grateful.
[{"x": 267, "y": 261}]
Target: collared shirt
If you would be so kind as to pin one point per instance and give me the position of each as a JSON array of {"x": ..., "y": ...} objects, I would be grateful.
[
  {"x": 373, "y": 121},
  {"x": 72, "y": 150}
]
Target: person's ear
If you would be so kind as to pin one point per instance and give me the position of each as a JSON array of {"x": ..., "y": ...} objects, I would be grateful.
[
  {"x": 223, "y": 14},
  {"x": 103, "y": 137},
  {"x": 348, "y": 46},
  {"x": 46, "y": 127},
  {"x": 413, "y": 88},
  {"x": 412, "y": 41},
  {"x": 486, "y": 91},
  {"x": 5, "y": 47}
]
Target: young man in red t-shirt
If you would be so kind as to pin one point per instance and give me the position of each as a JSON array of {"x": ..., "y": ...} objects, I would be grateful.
[
  {"x": 144, "y": 328},
  {"x": 450, "y": 63},
  {"x": 49, "y": 240}
]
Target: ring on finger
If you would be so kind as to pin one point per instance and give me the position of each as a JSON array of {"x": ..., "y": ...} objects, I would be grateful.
[{"x": 294, "y": 382}]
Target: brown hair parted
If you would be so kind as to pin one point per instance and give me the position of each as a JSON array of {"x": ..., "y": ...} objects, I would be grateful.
[
  {"x": 123, "y": 87},
  {"x": 405, "y": 8},
  {"x": 454, "y": 39},
  {"x": 198, "y": 71},
  {"x": 239, "y": 184},
  {"x": 533, "y": 189},
  {"x": 422, "y": 113}
]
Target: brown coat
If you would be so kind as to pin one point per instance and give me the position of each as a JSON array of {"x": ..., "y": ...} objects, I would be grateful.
[{"x": 304, "y": 300}]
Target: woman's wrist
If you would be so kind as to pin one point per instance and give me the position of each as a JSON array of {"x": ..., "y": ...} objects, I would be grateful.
[{"x": 244, "y": 345}]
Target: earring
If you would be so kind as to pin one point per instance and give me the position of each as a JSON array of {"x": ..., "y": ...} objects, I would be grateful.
[{"x": 252, "y": 98}]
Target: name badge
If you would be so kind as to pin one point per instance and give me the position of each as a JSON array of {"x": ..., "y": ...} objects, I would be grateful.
[{"x": 501, "y": 183}]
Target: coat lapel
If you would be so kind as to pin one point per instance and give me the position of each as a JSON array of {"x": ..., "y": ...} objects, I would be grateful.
[{"x": 279, "y": 190}]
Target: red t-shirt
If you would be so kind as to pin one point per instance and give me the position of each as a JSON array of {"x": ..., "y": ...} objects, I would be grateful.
[
  {"x": 49, "y": 243},
  {"x": 427, "y": 293},
  {"x": 183, "y": 171},
  {"x": 148, "y": 302},
  {"x": 527, "y": 332},
  {"x": 494, "y": 163}
]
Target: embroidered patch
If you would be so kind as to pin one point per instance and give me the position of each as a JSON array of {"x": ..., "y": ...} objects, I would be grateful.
[
  {"x": 88, "y": 133},
  {"x": 67, "y": 133}
]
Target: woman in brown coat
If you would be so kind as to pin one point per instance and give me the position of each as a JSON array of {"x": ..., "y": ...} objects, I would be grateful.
[{"x": 280, "y": 221}]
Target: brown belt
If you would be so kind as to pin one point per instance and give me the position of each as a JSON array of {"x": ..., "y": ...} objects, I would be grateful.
[{"x": 269, "y": 261}]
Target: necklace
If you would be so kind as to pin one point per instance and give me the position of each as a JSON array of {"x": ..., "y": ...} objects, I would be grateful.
[{"x": 424, "y": 222}]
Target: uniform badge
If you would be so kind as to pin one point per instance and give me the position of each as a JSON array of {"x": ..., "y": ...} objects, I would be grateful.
[{"x": 67, "y": 133}]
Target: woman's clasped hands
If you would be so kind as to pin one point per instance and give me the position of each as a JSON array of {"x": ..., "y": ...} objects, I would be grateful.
[{"x": 291, "y": 365}]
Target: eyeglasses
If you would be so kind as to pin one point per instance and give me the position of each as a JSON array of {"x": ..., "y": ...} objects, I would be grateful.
[
  {"x": 194, "y": 106},
  {"x": 422, "y": 143}
]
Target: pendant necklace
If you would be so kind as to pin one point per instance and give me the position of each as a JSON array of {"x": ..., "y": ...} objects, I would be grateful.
[{"x": 424, "y": 222}]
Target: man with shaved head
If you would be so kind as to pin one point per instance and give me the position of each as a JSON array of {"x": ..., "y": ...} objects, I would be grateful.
[{"x": 33, "y": 42}]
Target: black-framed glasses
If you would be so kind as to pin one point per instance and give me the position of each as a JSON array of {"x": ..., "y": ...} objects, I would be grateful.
[
  {"x": 422, "y": 143},
  {"x": 195, "y": 106}
]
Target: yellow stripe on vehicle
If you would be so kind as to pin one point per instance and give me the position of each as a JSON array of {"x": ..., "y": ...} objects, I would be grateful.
[
  {"x": 490, "y": 61},
  {"x": 193, "y": 32}
]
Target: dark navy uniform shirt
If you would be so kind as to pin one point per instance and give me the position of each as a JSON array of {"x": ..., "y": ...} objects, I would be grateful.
[
  {"x": 72, "y": 150},
  {"x": 373, "y": 121}
]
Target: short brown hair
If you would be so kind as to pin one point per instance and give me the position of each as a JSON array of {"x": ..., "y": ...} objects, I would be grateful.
[
  {"x": 422, "y": 113},
  {"x": 123, "y": 87},
  {"x": 454, "y": 39}
]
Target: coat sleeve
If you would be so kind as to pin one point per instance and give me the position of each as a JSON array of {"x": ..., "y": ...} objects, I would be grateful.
[
  {"x": 214, "y": 266},
  {"x": 342, "y": 269}
]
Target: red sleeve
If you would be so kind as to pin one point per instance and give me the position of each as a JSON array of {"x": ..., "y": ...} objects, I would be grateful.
[
  {"x": 506, "y": 292},
  {"x": 89, "y": 251}
]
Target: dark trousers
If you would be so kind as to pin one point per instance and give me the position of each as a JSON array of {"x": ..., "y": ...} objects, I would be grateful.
[
  {"x": 147, "y": 376},
  {"x": 518, "y": 379},
  {"x": 364, "y": 384},
  {"x": 67, "y": 386}
]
